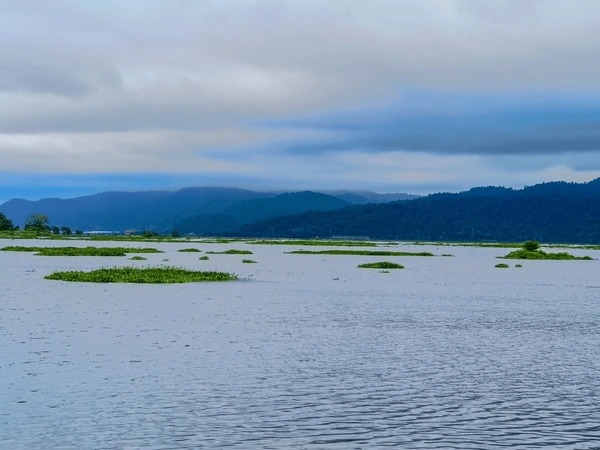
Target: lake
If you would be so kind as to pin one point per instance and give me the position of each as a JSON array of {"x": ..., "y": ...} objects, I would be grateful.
[{"x": 307, "y": 351}]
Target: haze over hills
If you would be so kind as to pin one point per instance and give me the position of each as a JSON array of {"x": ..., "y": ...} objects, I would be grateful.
[
  {"x": 550, "y": 212},
  {"x": 200, "y": 210}
]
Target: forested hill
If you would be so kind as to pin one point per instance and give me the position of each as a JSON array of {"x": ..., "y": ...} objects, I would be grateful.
[
  {"x": 199, "y": 210},
  {"x": 550, "y": 212}
]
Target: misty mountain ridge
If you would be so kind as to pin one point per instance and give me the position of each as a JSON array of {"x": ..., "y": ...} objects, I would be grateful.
[
  {"x": 198, "y": 210},
  {"x": 549, "y": 212}
]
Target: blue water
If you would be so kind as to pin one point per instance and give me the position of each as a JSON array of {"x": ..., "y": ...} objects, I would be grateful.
[{"x": 309, "y": 352}]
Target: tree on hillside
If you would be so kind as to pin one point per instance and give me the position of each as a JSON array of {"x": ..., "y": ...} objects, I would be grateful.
[
  {"x": 38, "y": 223},
  {"x": 5, "y": 223}
]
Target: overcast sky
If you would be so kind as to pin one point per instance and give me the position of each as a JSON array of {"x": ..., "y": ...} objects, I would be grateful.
[{"x": 390, "y": 95}]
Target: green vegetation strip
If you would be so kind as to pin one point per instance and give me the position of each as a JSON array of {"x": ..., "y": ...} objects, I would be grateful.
[
  {"x": 541, "y": 255},
  {"x": 381, "y": 265},
  {"x": 316, "y": 242},
  {"x": 248, "y": 261},
  {"x": 137, "y": 258},
  {"x": 358, "y": 253},
  {"x": 191, "y": 250},
  {"x": 531, "y": 250},
  {"x": 141, "y": 275},
  {"x": 80, "y": 251},
  {"x": 203, "y": 258},
  {"x": 232, "y": 252},
  {"x": 501, "y": 266}
]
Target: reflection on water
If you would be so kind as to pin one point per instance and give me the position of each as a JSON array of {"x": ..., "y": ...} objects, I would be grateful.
[{"x": 449, "y": 353}]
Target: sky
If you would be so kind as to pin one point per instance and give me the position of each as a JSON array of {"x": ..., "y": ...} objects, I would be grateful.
[{"x": 389, "y": 95}]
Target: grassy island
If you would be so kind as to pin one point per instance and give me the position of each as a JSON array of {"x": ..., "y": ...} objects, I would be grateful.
[
  {"x": 189, "y": 250},
  {"x": 531, "y": 250},
  {"x": 358, "y": 253},
  {"x": 315, "y": 242},
  {"x": 381, "y": 265},
  {"x": 231, "y": 252},
  {"x": 158, "y": 275},
  {"x": 80, "y": 251}
]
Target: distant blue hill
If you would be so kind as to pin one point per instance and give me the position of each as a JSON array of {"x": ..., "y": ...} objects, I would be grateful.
[
  {"x": 549, "y": 212},
  {"x": 201, "y": 210}
]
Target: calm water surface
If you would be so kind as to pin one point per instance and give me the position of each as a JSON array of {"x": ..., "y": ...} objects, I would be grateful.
[{"x": 309, "y": 352}]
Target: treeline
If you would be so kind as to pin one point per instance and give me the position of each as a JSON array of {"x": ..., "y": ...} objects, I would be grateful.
[
  {"x": 549, "y": 212},
  {"x": 36, "y": 223}
]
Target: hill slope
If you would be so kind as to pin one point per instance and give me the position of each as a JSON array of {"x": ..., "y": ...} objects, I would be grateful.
[{"x": 552, "y": 212}]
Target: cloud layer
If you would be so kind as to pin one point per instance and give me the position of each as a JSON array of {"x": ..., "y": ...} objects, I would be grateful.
[{"x": 388, "y": 94}]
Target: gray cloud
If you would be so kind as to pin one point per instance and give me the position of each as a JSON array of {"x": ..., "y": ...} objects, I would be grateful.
[{"x": 294, "y": 78}]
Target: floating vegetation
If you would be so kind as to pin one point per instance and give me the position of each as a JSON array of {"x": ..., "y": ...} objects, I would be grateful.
[
  {"x": 531, "y": 250},
  {"x": 540, "y": 254},
  {"x": 137, "y": 258},
  {"x": 518, "y": 265},
  {"x": 358, "y": 253},
  {"x": 315, "y": 242},
  {"x": 232, "y": 252},
  {"x": 141, "y": 275},
  {"x": 381, "y": 265},
  {"x": 384, "y": 271},
  {"x": 248, "y": 261},
  {"x": 190, "y": 250},
  {"x": 446, "y": 254},
  {"x": 81, "y": 251},
  {"x": 204, "y": 258},
  {"x": 501, "y": 266}
]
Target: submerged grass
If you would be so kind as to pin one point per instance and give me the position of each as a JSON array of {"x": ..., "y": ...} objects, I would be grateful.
[
  {"x": 358, "y": 253},
  {"x": 158, "y": 275},
  {"x": 232, "y": 252},
  {"x": 381, "y": 265},
  {"x": 80, "y": 251}
]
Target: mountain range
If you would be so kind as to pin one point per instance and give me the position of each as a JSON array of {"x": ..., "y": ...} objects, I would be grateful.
[
  {"x": 549, "y": 212},
  {"x": 198, "y": 210}
]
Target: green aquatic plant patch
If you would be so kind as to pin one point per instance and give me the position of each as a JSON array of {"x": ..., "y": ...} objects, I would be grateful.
[
  {"x": 204, "y": 258},
  {"x": 159, "y": 275},
  {"x": 541, "y": 255},
  {"x": 248, "y": 261},
  {"x": 358, "y": 253},
  {"x": 501, "y": 266},
  {"x": 232, "y": 252},
  {"x": 80, "y": 251},
  {"x": 315, "y": 242},
  {"x": 137, "y": 258},
  {"x": 189, "y": 250},
  {"x": 381, "y": 265}
]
